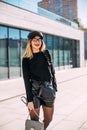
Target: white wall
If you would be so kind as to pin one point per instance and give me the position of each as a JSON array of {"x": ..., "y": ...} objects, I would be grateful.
[{"x": 16, "y": 17}]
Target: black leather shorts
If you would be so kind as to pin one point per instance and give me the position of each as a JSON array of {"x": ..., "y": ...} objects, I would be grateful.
[
  {"x": 38, "y": 102},
  {"x": 43, "y": 93}
]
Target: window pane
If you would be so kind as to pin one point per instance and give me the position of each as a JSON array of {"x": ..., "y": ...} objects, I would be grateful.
[
  {"x": 75, "y": 54},
  {"x": 55, "y": 51},
  {"x": 61, "y": 53},
  {"x": 49, "y": 43},
  {"x": 14, "y": 52},
  {"x": 78, "y": 54},
  {"x": 3, "y": 53},
  {"x": 24, "y": 35},
  {"x": 66, "y": 52}
]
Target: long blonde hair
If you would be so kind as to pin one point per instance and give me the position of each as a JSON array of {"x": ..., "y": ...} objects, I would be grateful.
[{"x": 28, "y": 51}]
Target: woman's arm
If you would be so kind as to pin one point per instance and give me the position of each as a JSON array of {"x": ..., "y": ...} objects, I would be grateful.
[{"x": 26, "y": 77}]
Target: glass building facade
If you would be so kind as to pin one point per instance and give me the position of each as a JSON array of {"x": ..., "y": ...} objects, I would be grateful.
[{"x": 65, "y": 52}]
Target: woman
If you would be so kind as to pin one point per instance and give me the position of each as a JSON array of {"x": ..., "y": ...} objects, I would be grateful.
[{"x": 35, "y": 68}]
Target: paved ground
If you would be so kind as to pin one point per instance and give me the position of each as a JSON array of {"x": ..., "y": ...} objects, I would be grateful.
[{"x": 70, "y": 106}]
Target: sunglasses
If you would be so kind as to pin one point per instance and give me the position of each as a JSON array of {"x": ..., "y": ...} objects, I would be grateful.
[{"x": 36, "y": 40}]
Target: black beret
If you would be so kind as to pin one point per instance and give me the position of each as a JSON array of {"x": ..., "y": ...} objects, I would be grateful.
[{"x": 31, "y": 35}]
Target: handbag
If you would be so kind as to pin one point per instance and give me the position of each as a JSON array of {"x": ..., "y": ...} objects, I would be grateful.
[{"x": 33, "y": 125}]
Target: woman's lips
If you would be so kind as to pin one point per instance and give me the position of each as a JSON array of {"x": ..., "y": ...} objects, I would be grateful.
[{"x": 36, "y": 44}]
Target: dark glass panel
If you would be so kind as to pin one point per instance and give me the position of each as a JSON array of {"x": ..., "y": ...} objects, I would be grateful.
[
  {"x": 74, "y": 56},
  {"x": 24, "y": 35},
  {"x": 61, "y": 53},
  {"x": 66, "y": 52},
  {"x": 3, "y": 53},
  {"x": 49, "y": 44},
  {"x": 55, "y": 51},
  {"x": 78, "y": 54},
  {"x": 85, "y": 46},
  {"x": 14, "y": 52}
]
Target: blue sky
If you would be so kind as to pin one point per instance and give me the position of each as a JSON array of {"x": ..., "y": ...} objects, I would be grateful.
[{"x": 82, "y": 12}]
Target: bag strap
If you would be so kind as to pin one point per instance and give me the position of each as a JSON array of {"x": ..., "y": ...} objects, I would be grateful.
[{"x": 24, "y": 100}]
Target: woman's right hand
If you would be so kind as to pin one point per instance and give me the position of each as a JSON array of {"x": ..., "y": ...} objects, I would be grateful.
[{"x": 30, "y": 106}]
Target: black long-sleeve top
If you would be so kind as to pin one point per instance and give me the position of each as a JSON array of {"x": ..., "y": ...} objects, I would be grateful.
[{"x": 35, "y": 68}]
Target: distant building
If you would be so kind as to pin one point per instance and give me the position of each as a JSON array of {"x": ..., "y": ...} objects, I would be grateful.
[{"x": 64, "y": 8}]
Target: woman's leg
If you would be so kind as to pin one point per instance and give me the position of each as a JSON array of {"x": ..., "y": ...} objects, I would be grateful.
[
  {"x": 36, "y": 102},
  {"x": 33, "y": 115},
  {"x": 48, "y": 114}
]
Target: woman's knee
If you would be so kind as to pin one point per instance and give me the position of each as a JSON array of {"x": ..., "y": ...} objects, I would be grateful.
[
  {"x": 48, "y": 118},
  {"x": 48, "y": 113}
]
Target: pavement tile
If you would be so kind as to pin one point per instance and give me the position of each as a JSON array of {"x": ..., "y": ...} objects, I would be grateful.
[
  {"x": 14, "y": 125},
  {"x": 84, "y": 125},
  {"x": 66, "y": 125}
]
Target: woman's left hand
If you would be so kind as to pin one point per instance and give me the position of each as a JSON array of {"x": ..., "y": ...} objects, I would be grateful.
[{"x": 30, "y": 106}]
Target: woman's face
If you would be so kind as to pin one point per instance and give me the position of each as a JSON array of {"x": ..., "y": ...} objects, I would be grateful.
[{"x": 36, "y": 43}]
